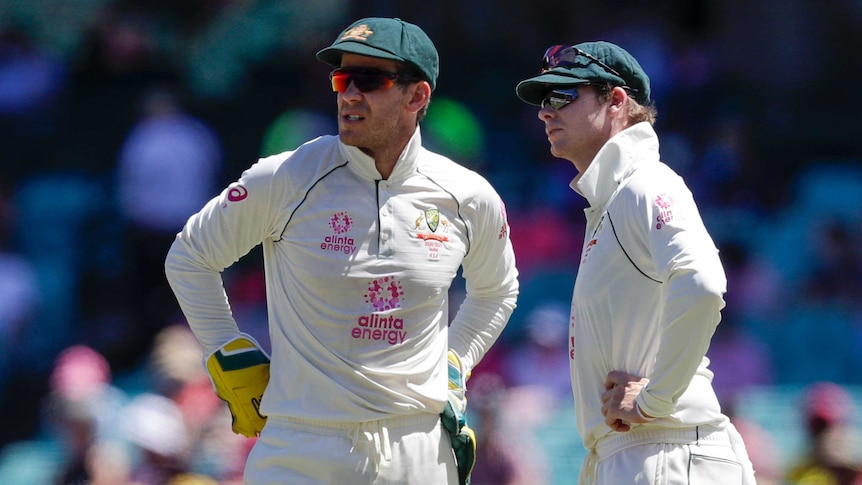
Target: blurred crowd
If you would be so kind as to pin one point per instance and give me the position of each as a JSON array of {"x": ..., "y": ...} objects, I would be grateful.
[{"x": 120, "y": 118}]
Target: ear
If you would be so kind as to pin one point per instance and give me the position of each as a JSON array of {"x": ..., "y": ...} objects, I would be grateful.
[
  {"x": 618, "y": 97},
  {"x": 420, "y": 95}
]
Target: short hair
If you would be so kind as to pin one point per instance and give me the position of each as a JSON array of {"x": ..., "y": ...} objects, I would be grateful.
[
  {"x": 636, "y": 112},
  {"x": 414, "y": 77}
]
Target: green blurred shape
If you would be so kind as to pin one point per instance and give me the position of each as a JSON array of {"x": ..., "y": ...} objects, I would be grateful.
[
  {"x": 293, "y": 128},
  {"x": 452, "y": 129}
]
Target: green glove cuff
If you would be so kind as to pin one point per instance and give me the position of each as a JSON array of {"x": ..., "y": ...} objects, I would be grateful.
[
  {"x": 454, "y": 420},
  {"x": 463, "y": 440}
]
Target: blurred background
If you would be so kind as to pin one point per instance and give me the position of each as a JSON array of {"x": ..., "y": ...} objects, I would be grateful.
[{"x": 121, "y": 118}]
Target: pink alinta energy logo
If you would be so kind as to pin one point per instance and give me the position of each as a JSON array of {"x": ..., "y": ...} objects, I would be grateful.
[
  {"x": 340, "y": 223},
  {"x": 384, "y": 294},
  {"x": 665, "y": 205},
  {"x": 235, "y": 193}
]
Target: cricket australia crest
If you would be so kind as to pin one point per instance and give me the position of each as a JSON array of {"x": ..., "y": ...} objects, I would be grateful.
[{"x": 437, "y": 226}]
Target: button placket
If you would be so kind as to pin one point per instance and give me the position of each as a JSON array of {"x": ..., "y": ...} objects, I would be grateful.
[{"x": 387, "y": 225}]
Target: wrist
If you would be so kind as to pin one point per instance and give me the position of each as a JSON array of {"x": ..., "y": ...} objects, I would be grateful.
[{"x": 642, "y": 414}]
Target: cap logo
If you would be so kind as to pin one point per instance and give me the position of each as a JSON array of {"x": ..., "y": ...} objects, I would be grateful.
[{"x": 360, "y": 32}]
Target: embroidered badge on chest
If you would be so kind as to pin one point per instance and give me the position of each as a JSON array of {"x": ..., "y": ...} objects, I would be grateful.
[{"x": 432, "y": 227}]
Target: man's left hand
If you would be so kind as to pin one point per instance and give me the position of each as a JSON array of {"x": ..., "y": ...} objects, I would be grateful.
[{"x": 619, "y": 401}]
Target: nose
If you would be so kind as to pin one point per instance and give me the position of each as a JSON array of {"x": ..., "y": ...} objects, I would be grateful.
[
  {"x": 546, "y": 112},
  {"x": 351, "y": 93}
]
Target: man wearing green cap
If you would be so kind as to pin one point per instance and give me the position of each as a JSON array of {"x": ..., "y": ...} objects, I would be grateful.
[
  {"x": 649, "y": 288},
  {"x": 362, "y": 235}
]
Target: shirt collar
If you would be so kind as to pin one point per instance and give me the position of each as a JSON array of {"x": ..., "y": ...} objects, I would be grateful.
[
  {"x": 363, "y": 165},
  {"x": 620, "y": 156}
]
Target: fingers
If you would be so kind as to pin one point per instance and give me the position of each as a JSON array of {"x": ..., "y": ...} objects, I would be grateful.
[
  {"x": 613, "y": 379},
  {"x": 619, "y": 378},
  {"x": 607, "y": 395},
  {"x": 618, "y": 425},
  {"x": 618, "y": 400},
  {"x": 610, "y": 410},
  {"x": 613, "y": 419}
]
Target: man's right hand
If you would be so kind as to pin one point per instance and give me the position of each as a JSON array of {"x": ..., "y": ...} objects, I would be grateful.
[{"x": 619, "y": 401}]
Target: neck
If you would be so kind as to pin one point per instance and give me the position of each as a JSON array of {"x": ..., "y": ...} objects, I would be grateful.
[
  {"x": 387, "y": 157},
  {"x": 385, "y": 160}
]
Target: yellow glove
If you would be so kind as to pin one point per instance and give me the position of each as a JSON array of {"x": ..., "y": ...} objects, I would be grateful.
[
  {"x": 454, "y": 420},
  {"x": 239, "y": 371}
]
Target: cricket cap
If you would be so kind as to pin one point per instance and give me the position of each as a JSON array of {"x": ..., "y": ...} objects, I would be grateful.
[
  {"x": 586, "y": 63},
  {"x": 386, "y": 38}
]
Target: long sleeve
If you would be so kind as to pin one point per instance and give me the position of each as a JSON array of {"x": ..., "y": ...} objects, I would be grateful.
[
  {"x": 492, "y": 283},
  {"x": 649, "y": 288},
  {"x": 226, "y": 229},
  {"x": 686, "y": 260}
]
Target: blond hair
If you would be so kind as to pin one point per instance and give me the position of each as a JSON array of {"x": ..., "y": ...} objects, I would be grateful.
[{"x": 636, "y": 112}]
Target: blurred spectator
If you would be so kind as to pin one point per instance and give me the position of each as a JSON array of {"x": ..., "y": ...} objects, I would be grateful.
[
  {"x": 156, "y": 426},
  {"x": 176, "y": 368},
  {"x": 740, "y": 358},
  {"x": 837, "y": 272},
  {"x": 19, "y": 288},
  {"x": 542, "y": 358},
  {"x": 168, "y": 165},
  {"x": 507, "y": 454},
  {"x": 740, "y": 361},
  {"x": 176, "y": 364},
  {"x": 834, "y": 455},
  {"x": 754, "y": 287},
  {"x": 762, "y": 450},
  {"x": 30, "y": 82},
  {"x": 107, "y": 463},
  {"x": 82, "y": 409},
  {"x": 168, "y": 168}
]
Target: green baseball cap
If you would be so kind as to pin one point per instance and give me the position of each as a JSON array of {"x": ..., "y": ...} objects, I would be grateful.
[
  {"x": 586, "y": 63},
  {"x": 386, "y": 38}
]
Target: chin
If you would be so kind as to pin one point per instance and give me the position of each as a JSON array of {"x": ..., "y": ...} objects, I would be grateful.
[{"x": 347, "y": 137}]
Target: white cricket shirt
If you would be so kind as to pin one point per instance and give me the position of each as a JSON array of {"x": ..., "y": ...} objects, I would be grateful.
[
  {"x": 649, "y": 288},
  {"x": 357, "y": 274}
]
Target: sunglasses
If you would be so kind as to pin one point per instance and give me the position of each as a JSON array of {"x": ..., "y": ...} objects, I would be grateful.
[
  {"x": 560, "y": 98},
  {"x": 565, "y": 56},
  {"x": 366, "y": 79}
]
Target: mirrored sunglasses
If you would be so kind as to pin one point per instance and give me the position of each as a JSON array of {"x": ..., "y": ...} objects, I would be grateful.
[
  {"x": 560, "y": 98},
  {"x": 366, "y": 79},
  {"x": 565, "y": 56}
]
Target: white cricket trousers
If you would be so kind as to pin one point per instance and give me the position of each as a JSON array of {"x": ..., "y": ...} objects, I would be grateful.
[
  {"x": 408, "y": 450},
  {"x": 650, "y": 456}
]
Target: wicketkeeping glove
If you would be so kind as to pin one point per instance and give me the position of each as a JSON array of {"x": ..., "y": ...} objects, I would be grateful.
[
  {"x": 239, "y": 371},
  {"x": 454, "y": 419}
]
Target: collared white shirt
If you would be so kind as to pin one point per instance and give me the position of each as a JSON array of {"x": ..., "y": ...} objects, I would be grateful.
[
  {"x": 357, "y": 272},
  {"x": 649, "y": 288}
]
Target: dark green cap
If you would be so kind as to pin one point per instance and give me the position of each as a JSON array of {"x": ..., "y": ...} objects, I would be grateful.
[
  {"x": 587, "y": 71},
  {"x": 387, "y": 39}
]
